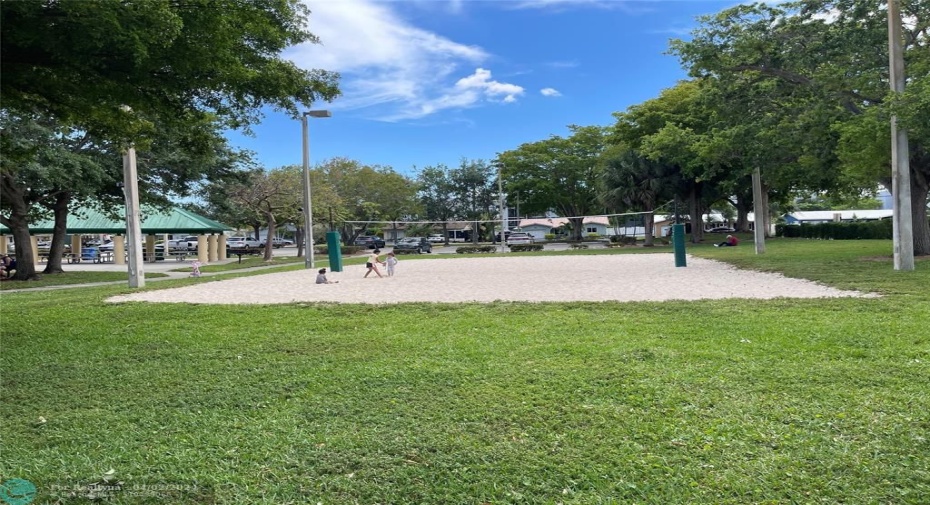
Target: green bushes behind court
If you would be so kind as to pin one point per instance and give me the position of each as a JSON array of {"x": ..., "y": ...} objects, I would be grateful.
[{"x": 859, "y": 230}]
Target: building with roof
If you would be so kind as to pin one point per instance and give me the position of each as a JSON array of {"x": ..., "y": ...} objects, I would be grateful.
[{"x": 211, "y": 239}]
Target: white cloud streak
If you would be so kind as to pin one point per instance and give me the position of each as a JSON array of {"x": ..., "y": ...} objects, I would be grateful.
[
  {"x": 550, "y": 92},
  {"x": 392, "y": 69}
]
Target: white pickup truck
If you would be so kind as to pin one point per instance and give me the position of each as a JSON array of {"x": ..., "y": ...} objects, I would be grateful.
[{"x": 188, "y": 243}]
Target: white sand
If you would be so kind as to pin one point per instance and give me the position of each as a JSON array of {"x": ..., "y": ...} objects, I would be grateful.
[{"x": 627, "y": 277}]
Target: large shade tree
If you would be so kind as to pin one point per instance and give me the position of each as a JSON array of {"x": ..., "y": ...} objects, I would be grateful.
[
  {"x": 123, "y": 71},
  {"x": 837, "y": 50},
  {"x": 474, "y": 192},
  {"x": 559, "y": 173},
  {"x": 630, "y": 181},
  {"x": 368, "y": 194},
  {"x": 436, "y": 194}
]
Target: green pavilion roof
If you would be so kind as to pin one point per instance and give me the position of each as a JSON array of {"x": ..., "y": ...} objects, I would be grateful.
[{"x": 89, "y": 221}]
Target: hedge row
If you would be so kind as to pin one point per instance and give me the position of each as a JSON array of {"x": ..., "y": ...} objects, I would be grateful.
[
  {"x": 346, "y": 250},
  {"x": 525, "y": 247},
  {"x": 476, "y": 249},
  {"x": 859, "y": 230}
]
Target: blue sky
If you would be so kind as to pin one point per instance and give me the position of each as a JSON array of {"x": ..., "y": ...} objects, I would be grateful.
[{"x": 432, "y": 81}]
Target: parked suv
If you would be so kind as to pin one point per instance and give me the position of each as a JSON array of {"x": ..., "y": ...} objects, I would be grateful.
[
  {"x": 242, "y": 243},
  {"x": 418, "y": 245},
  {"x": 370, "y": 242}
]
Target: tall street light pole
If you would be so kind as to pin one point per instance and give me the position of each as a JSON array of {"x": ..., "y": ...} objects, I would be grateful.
[{"x": 308, "y": 201}]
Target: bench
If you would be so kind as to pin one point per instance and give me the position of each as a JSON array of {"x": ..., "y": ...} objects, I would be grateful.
[{"x": 244, "y": 252}]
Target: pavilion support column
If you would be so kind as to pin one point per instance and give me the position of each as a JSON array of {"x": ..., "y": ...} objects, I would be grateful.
[
  {"x": 76, "y": 245},
  {"x": 150, "y": 247},
  {"x": 211, "y": 243},
  {"x": 4, "y": 244},
  {"x": 34, "y": 242},
  {"x": 119, "y": 250},
  {"x": 202, "y": 250},
  {"x": 221, "y": 246}
]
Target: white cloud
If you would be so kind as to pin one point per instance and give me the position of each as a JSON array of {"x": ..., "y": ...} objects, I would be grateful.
[
  {"x": 550, "y": 92},
  {"x": 481, "y": 80},
  {"x": 394, "y": 69}
]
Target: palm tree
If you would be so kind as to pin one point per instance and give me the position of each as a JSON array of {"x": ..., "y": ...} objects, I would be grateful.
[{"x": 636, "y": 183}]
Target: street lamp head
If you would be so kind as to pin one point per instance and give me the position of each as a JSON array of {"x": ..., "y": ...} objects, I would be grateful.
[{"x": 318, "y": 113}]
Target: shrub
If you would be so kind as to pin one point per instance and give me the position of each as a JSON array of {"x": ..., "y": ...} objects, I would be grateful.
[
  {"x": 470, "y": 249},
  {"x": 593, "y": 236},
  {"x": 579, "y": 246},
  {"x": 623, "y": 240},
  {"x": 346, "y": 250},
  {"x": 549, "y": 236},
  {"x": 858, "y": 230},
  {"x": 526, "y": 247}
]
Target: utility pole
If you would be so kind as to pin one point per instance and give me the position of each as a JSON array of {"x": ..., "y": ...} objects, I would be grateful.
[
  {"x": 903, "y": 231},
  {"x": 503, "y": 210},
  {"x": 133, "y": 219},
  {"x": 758, "y": 208}
]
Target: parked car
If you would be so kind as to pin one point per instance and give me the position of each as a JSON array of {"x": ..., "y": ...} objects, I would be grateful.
[
  {"x": 277, "y": 242},
  {"x": 242, "y": 243},
  {"x": 721, "y": 229},
  {"x": 370, "y": 242},
  {"x": 107, "y": 247},
  {"x": 520, "y": 238},
  {"x": 418, "y": 245},
  {"x": 436, "y": 239}
]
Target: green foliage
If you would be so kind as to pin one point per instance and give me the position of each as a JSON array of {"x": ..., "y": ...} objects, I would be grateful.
[
  {"x": 81, "y": 61},
  {"x": 549, "y": 236},
  {"x": 819, "y": 71},
  {"x": 557, "y": 173},
  {"x": 346, "y": 250},
  {"x": 623, "y": 240},
  {"x": 525, "y": 247},
  {"x": 861, "y": 230},
  {"x": 476, "y": 249}
]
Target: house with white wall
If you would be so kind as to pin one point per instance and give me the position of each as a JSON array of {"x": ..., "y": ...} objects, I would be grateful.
[{"x": 539, "y": 227}]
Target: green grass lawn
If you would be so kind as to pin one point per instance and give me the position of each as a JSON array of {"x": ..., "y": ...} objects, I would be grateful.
[
  {"x": 726, "y": 401},
  {"x": 68, "y": 278}
]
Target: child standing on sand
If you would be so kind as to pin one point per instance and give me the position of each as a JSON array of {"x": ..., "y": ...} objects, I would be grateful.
[
  {"x": 373, "y": 262},
  {"x": 390, "y": 262}
]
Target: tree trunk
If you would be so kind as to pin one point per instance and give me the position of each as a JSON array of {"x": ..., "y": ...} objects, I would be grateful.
[
  {"x": 299, "y": 236},
  {"x": 920, "y": 225},
  {"x": 649, "y": 223},
  {"x": 60, "y": 231},
  {"x": 269, "y": 238},
  {"x": 767, "y": 218},
  {"x": 19, "y": 227},
  {"x": 577, "y": 227},
  {"x": 697, "y": 217},
  {"x": 743, "y": 208}
]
